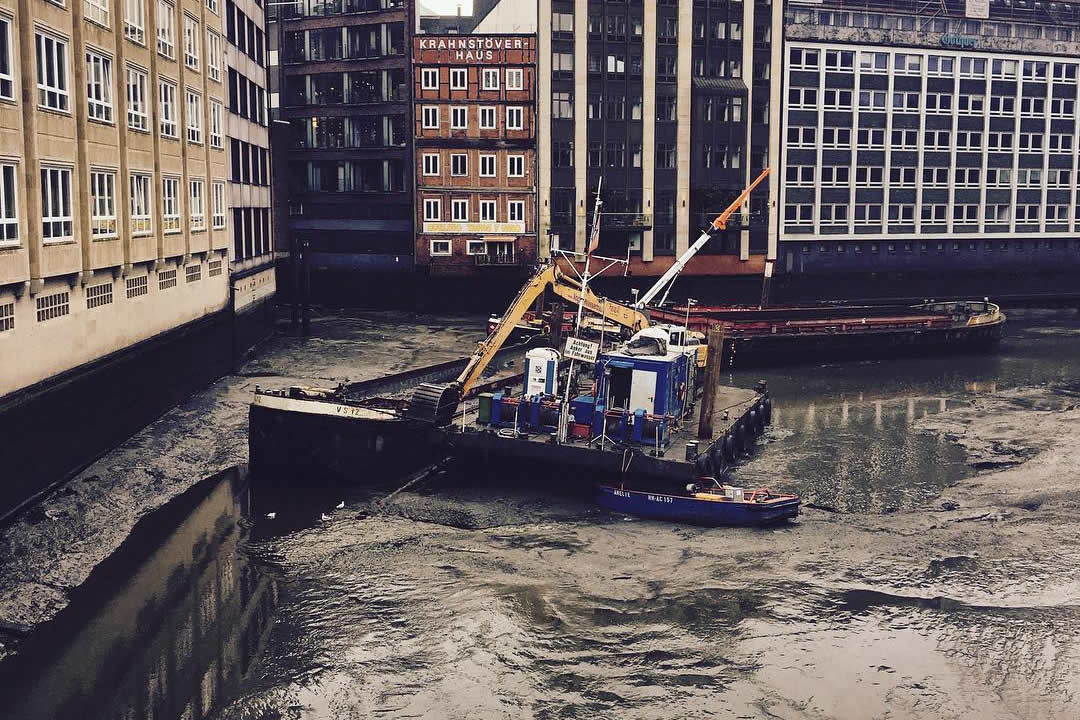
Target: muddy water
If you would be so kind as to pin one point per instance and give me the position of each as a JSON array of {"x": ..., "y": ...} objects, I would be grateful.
[{"x": 482, "y": 598}]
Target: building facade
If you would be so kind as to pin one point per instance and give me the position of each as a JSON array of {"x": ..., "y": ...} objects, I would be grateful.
[
  {"x": 340, "y": 82},
  {"x": 930, "y": 137},
  {"x": 475, "y": 138},
  {"x": 248, "y": 138},
  {"x": 113, "y": 178},
  {"x": 669, "y": 103}
]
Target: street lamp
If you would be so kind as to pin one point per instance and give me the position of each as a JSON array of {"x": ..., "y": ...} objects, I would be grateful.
[{"x": 689, "y": 301}]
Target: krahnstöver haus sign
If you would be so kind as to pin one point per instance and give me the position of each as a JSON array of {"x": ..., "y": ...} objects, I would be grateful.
[{"x": 472, "y": 49}]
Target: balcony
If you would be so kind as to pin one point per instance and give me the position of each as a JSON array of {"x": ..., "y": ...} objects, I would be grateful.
[{"x": 626, "y": 221}]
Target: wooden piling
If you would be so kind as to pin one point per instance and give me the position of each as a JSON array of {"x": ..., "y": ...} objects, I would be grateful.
[{"x": 713, "y": 364}]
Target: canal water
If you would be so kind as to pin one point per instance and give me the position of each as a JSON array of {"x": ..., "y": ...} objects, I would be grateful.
[{"x": 483, "y": 596}]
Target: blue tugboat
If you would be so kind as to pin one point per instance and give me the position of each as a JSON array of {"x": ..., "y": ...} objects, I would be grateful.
[{"x": 724, "y": 505}]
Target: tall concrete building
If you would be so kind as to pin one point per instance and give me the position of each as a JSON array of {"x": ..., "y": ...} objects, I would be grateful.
[
  {"x": 114, "y": 227},
  {"x": 936, "y": 140},
  {"x": 475, "y": 137},
  {"x": 340, "y": 81},
  {"x": 669, "y": 103},
  {"x": 246, "y": 128}
]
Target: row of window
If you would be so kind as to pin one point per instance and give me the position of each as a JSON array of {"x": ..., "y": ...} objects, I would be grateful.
[
  {"x": 867, "y": 176},
  {"x": 247, "y": 98},
  {"x": 378, "y": 176},
  {"x": 459, "y": 165},
  {"x": 459, "y": 117},
  {"x": 924, "y": 247},
  {"x": 619, "y": 154},
  {"x": 135, "y": 16},
  {"x": 352, "y": 42},
  {"x": 489, "y": 78},
  {"x": 244, "y": 33},
  {"x": 251, "y": 232},
  {"x": 250, "y": 163},
  {"x": 803, "y": 214},
  {"x": 460, "y": 210},
  {"x": 615, "y": 107},
  {"x": 806, "y": 98},
  {"x": 908, "y": 139},
  {"x": 907, "y": 63},
  {"x": 1059, "y": 30},
  {"x": 57, "y": 221},
  {"x": 355, "y": 87},
  {"x": 360, "y": 131},
  {"x": 498, "y": 252},
  {"x": 324, "y": 8}
]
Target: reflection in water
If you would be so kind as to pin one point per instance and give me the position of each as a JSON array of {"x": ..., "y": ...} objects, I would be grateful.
[{"x": 165, "y": 628}]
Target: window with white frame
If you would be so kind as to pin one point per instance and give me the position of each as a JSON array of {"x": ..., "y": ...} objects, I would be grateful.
[
  {"x": 475, "y": 247},
  {"x": 870, "y": 138},
  {"x": 102, "y": 203},
  {"x": 487, "y": 118},
  {"x": 487, "y": 165},
  {"x": 1029, "y": 177},
  {"x": 1064, "y": 71},
  {"x": 969, "y": 140},
  {"x": 972, "y": 67},
  {"x": 167, "y": 107},
  {"x": 440, "y": 247},
  {"x": 1032, "y": 107},
  {"x": 867, "y": 214},
  {"x": 217, "y": 207},
  {"x": 901, "y": 213},
  {"x": 1035, "y": 70},
  {"x": 869, "y": 176},
  {"x": 52, "y": 72},
  {"x": 934, "y": 213},
  {"x": 431, "y": 117},
  {"x": 872, "y": 99},
  {"x": 999, "y": 141},
  {"x": 166, "y": 28},
  {"x": 135, "y": 21},
  {"x": 515, "y": 165},
  {"x": 213, "y": 55},
  {"x": 836, "y": 137},
  {"x": 197, "y": 203},
  {"x": 514, "y": 118},
  {"x": 487, "y": 211},
  {"x": 97, "y": 11},
  {"x": 971, "y": 104},
  {"x": 138, "y": 114},
  {"x": 141, "y": 204},
  {"x": 801, "y": 136},
  {"x": 9, "y": 206},
  {"x": 1003, "y": 69},
  {"x": 1057, "y": 213},
  {"x": 835, "y": 175},
  {"x": 7, "y": 79},
  {"x": 431, "y": 164},
  {"x": 799, "y": 174},
  {"x": 998, "y": 177},
  {"x": 459, "y": 118},
  {"x": 1000, "y": 213},
  {"x": 1031, "y": 141},
  {"x": 1027, "y": 214},
  {"x": 459, "y": 78},
  {"x": 907, "y": 64},
  {"x": 515, "y": 211},
  {"x": 429, "y": 78},
  {"x": 194, "y": 116},
  {"x": 874, "y": 62},
  {"x": 490, "y": 78},
  {"x": 432, "y": 209},
  {"x": 1061, "y": 143},
  {"x": 840, "y": 60},
  {"x": 99, "y": 87},
  {"x": 191, "y": 42},
  {"x": 936, "y": 139},
  {"x": 905, "y": 139},
  {"x": 967, "y": 177},
  {"x": 1058, "y": 178},
  {"x": 965, "y": 213},
  {"x": 1060, "y": 107},
  {"x": 939, "y": 102},
  {"x": 56, "y": 219},
  {"x": 940, "y": 65},
  {"x": 1002, "y": 105},
  {"x": 459, "y": 210},
  {"x": 833, "y": 214},
  {"x": 170, "y": 202},
  {"x": 935, "y": 177},
  {"x": 902, "y": 177},
  {"x": 802, "y": 97},
  {"x": 515, "y": 79},
  {"x": 803, "y": 59},
  {"x": 459, "y": 164},
  {"x": 798, "y": 214},
  {"x": 217, "y": 123},
  {"x": 837, "y": 99}
]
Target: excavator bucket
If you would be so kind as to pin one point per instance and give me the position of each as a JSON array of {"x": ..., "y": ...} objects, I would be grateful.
[{"x": 433, "y": 404}]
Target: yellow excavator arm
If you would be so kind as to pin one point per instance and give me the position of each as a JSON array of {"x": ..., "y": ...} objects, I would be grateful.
[{"x": 437, "y": 403}]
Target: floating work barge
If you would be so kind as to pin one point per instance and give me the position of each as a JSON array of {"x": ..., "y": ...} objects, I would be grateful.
[{"x": 755, "y": 336}]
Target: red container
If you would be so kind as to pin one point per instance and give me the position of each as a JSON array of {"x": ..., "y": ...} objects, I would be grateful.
[{"x": 579, "y": 430}]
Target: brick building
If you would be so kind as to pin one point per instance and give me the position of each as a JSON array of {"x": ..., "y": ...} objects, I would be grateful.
[{"x": 475, "y": 159}]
